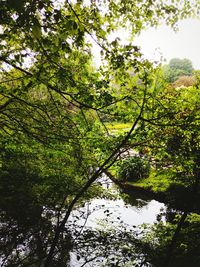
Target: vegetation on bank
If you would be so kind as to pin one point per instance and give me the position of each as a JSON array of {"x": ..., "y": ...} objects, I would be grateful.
[
  {"x": 173, "y": 144},
  {"x": 117, "y": 128},
  {"x": 157, "y": 181}
]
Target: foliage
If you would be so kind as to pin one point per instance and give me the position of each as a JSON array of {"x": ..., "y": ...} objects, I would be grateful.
[
  {"x": 123, "y": 247},
  {"x": 197, "y": 78},
  {"x": 174, "y": 142},
  {"x": 129, "y": 246},
  {"x": 133, "y": 169},
  {"x": 53, "y": 104},
  {"x": 187, "y": 246},
  {"x": 184, "y": 81},
  {"x": 177, "y": 68},
  {"x": 181, "y": 64},
  {"x": 158, "y": 181}
]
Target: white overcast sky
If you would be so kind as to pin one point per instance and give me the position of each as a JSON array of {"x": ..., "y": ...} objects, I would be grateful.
[{"x": 164, "y": 43}]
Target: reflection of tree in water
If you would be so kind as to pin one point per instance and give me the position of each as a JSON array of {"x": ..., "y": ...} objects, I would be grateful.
[
  {"x": 28, "y": 227},
  {"x": 146, "y": 246},
  {"x": 136, "y": 199},
  {"x": 25, "y": 233},
  {"x": 25, "y": 243}
]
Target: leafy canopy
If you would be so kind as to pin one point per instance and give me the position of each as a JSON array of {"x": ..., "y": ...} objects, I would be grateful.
[{"x": 53, "y": 106}]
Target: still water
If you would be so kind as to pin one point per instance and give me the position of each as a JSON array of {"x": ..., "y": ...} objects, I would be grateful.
[
  {"x": 140, "y": 211},
  {"x": 105, "y": 213},
  {"x": 131, "y": 215}
]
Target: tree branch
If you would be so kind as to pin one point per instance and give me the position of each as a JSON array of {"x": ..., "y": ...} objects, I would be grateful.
[{"x": 97, "y": 173}]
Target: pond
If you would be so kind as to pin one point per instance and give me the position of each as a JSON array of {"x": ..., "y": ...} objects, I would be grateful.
[
  {"x": 107, "y": 214},
  {"x": 115, "y": 230}
]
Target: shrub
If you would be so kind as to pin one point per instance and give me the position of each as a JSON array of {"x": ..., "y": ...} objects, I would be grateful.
[
  {"x": 184, "y": 81},
  {"x": 133, "y": 169}
]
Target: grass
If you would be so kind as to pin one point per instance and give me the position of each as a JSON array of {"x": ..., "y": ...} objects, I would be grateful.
[
  {"x": 118, "y": 127},
  {"x": 157, "y": 181}
]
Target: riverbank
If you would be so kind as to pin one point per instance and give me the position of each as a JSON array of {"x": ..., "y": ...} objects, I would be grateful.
[{"x": 175, "y": 195}]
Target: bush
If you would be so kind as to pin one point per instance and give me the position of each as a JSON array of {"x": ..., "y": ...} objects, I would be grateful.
[
  {"x": 184, "y": 81},
  {"x": 133, "y": 169}
]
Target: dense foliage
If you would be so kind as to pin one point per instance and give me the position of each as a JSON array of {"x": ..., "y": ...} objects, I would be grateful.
[
  {"x": 54, "y": 103},
  {"x": 177, "y": 68},
  {"x": 134, "y": 168}
]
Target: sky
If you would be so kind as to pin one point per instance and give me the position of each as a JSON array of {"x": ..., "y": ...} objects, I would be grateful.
[{"x": 163, "y": 43}]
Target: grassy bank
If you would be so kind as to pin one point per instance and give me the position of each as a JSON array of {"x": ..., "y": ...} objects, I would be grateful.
[
  {"x": 157, "y": 181},
  {"x": 117, "y": 127}
]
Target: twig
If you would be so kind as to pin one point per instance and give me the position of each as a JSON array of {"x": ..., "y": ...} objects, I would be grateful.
[{"x": 114, "y": 155}]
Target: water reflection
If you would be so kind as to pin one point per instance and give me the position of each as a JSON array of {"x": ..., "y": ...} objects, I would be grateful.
[
  {"x": 104, "y": 232},
  {"x": 110, "y": 210},
  {"x": 110, "y": 230},
  {"x": 134, "y": 209}
]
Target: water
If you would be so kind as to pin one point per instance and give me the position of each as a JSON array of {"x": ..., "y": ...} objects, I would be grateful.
[
  {"x": 119, "y": 209},
  {"x": 96, "y": 210},
  {"x": 105, "y": 213}
]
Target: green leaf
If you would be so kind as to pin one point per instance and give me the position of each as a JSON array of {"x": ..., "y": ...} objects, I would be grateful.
[
  {"x": 36, "y": 29},
  {"x": 16, "y": 5}
]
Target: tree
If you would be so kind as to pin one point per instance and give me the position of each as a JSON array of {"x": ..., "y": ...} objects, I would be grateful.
[
  {"x": 176, "y": 68},
  {"x": 53, "y": 103},
  {"x": 181, "y": 64},
  {"x": 177, "y": 134},
  {"x": 171, "y": 126}
]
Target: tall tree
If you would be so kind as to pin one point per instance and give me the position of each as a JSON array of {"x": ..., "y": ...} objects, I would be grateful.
[{"x": 176, "y": 68}]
